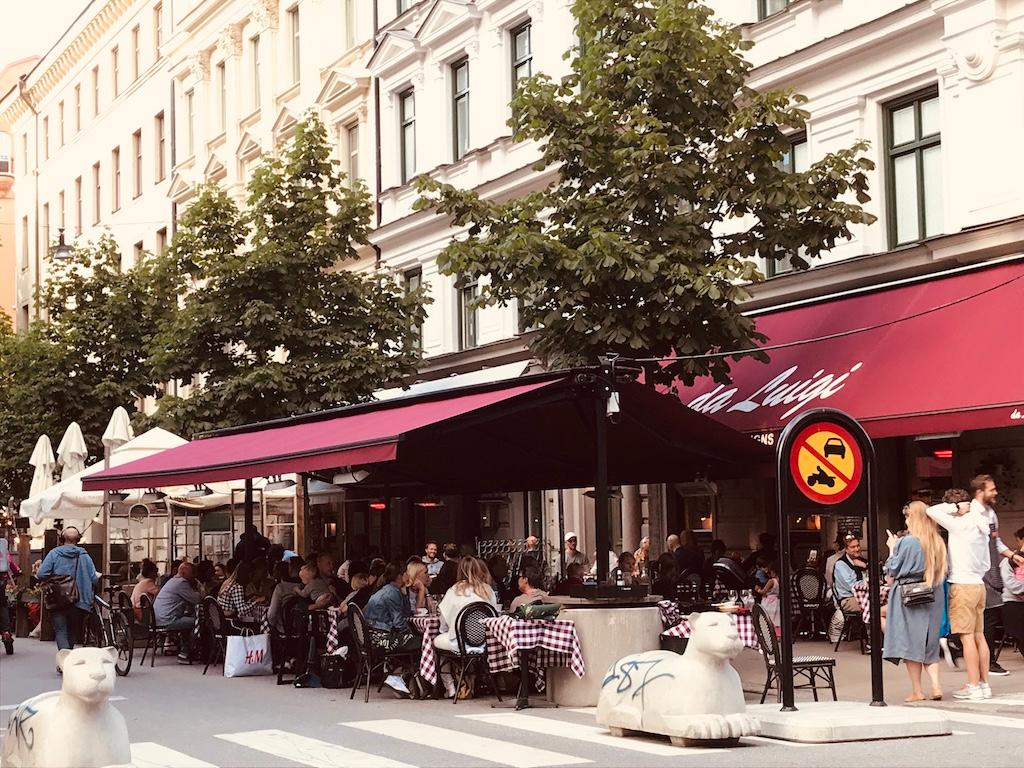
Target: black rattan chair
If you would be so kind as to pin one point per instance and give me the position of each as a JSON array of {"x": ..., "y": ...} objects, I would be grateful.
[
  {"x": 290, "y": 645},
  {"x": 811, "y": 668},
  {"x": 156, "y": 637},
  {"x": 809, "y": 590},
  {"x": 371, "y": 658},
  {"x": 470, "y": 633},
  {"x": 853, "y": 627},
  {"x": 215, "y": 628}
]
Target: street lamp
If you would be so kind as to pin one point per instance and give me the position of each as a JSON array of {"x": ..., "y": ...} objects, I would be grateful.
[{"x": 63, "y": 251}]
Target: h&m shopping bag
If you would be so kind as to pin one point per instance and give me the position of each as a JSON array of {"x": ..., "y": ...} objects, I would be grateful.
[{"x": 248, "y": 655}]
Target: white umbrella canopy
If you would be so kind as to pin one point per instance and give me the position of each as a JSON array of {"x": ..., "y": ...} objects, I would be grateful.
[
  {"x": 71, "y": 452},
  {"x": 43, "y": 460},
  {"x": 119, "y": 429}
]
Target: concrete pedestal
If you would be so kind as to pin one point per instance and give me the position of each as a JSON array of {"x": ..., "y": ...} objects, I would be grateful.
[
  {"x": 827, "y": 722},
  {"x": 606, "y": 635}
]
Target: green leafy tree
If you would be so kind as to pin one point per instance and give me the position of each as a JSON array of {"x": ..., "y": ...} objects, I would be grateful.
[
  {"x": 270, "y": 325},
  {"x": 669, "y": 188}
]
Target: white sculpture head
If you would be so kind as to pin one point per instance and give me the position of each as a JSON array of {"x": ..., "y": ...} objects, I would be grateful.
[
  {"x": 714, "y": 634},
  {"x": 88, "y": 673}
]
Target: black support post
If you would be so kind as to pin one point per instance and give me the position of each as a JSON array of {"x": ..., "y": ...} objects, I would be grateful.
[
  {"x": 250, "y": 540},
  {"x": 602, "y": 535}
]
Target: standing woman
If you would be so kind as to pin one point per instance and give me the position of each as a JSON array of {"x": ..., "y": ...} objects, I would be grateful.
[{"x": 912, "y": 631}]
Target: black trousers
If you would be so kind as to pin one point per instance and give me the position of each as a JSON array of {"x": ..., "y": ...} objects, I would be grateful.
[{"x": 993, "y": 622}]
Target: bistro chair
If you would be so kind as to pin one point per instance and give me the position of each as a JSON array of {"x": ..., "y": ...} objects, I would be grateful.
[
  {"x": 215, "y": 628},
  {"x": 812, "y": 668},
  {"x": 290, "y": 645},
  {"x": 156, "y": 637},
  {"x": 853, "y": 627},
  {"x": 470, "y": 634},
  {"x": 372, "y": 658},
  {"x": 809, "y": 591}
]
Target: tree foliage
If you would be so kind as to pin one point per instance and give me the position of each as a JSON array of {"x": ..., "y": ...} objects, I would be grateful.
[
  {"x": 669, "y": 188},
  {"x": 269, "y": 325}
]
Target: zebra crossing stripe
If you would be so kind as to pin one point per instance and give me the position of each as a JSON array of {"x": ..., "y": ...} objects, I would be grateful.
[
  {"x": 588, "y": 733},
  {"x": 149, "y": 754},
  {"x": 308, "y": 751},
  {"x": 467, "y": 744},
  {"x": 975, "y": 719}
]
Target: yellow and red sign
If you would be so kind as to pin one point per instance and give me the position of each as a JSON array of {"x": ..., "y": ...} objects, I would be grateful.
[{"x": 826, "y": 463}]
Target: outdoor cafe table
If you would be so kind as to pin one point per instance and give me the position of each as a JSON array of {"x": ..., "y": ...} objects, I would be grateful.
[
  {"x": 429, "y": 627},
  {"x": 860, "y": 591},
  {"x": 744, "y": 628},
  {"x": 334, "y": 619},
  {"x": 533, "y": 643}
]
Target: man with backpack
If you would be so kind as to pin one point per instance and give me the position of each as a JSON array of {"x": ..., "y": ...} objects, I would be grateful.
[{"x": 67, "y": 576}]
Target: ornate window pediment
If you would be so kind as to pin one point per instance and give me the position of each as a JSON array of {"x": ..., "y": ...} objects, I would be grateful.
[
  {"x": 214, "y": 170},
  {"x": 339, "y": 87},
  {"x": 181, "y": 189},
  {"x": 446, "y": 18},
  {"x": 397, "y": 47},
  {"x": 248, "y": 148},
  {"x": 284, "y": 125}
]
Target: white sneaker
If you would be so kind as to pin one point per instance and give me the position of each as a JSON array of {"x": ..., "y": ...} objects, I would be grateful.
[
  {"x": 986, "y": 690},
  {"x": 969, "y": 693},
  {"x": 397, "y": 684},
  {"x": 947, "y": 654}
]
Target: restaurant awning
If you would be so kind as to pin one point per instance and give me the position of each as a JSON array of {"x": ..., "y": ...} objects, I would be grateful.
[
  {"x": 923, "y": 357},
  {"x": 532, "y": 433}
]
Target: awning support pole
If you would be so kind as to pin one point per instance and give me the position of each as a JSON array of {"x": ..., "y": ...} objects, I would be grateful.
[
  {"x": 250, "y": 540},
  {"x": 601, "y": 485},
  {"x": 561, "y": 533}
]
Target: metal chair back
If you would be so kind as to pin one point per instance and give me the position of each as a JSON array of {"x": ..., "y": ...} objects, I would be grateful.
[
  {"x": 148, "y": 614},
  {"x": 764, "y": 628},
  {"x": 809, "y": 587},
  {"x": 470, "y": 631},
  {"x": 360, "y": 630},
  {"x": 213, "y": 617}
]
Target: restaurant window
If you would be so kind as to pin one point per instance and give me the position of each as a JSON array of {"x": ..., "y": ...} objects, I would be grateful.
[
  {"x": 352, "y": 145},
  {"x": 407, "y": 123},
  {"x": 161, "y": 141},
  {"x": 137, "y": 163},
  {"x": 293, "y": 31},
  {"x": 222, "y": 93},
  {"x": 158, "y": 28},
  {"x": 114, "y": 72},
  {"x": 78, "y": 206},
  {"x": 254, "y": 56},
  {"x": 97, "y": 189},
  {"x": 78, "y": 107},
  {"x": 468, "y": 290},
  {"x": 766, "y": 8},
  {"x": 95, "y": 91},
  {"x": 115, "y": 179},
  {"x": 914, "y": 188},
  {"x": 190, "y": 123},
  {"x": 460, "y": 109},
  {"x": 413, "y": 280},
  {"x": 795, "y": 160},
  {"x": 522, "y": 54},
  {"x": 136, "y": 55}
]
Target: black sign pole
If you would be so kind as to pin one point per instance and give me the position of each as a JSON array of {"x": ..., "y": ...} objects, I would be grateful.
[{"x": 782, "y": 486}]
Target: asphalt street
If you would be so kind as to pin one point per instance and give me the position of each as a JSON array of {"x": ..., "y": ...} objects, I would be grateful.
[{"x": 178, "y": 717}]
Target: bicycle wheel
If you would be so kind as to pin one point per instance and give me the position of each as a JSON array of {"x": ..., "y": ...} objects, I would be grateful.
[
  {"x": 124, "y": 641},
  {"x": 92, "y": 631}
]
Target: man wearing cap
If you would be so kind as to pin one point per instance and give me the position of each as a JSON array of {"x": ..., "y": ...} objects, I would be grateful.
[{"x": 572, "y": 552}]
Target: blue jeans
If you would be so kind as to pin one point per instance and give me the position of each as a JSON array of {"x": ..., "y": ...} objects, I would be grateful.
[
  {"x": 184, "y": 626},
  {"x": 67, "y": 626}
]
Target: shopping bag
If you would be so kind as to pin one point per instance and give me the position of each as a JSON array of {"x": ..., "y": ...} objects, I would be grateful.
[{"x": 248, "y": 655}]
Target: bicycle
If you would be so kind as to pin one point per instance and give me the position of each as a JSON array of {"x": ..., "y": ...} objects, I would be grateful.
[{"x": 107, "y": 626}]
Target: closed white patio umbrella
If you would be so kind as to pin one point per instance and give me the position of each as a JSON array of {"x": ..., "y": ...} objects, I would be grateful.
[
  {"x": 71, "y": 452},
  {"x": 119, "y": 429},
  {"x": 43, "y": 460}
]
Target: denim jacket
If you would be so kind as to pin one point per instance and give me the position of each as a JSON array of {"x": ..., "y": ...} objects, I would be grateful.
[
  {"x": 388, "y": 609},
  {"x": 62, "y": 562}
]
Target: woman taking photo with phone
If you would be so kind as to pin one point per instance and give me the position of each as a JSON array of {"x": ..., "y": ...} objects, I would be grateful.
[{"x": 917, "y": 567}]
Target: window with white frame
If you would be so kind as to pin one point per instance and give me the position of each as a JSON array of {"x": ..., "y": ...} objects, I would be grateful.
[
  {"x": 136, "y": 53},
  {"x": 254, "y": 61},
  {"x": 78, "y": 206},
  {"x": 467, "y": 291},
  {"x": 60, "y": 123},
  {"x": 97, "y": 189},
  {"x": 413, "y": 280},
  {"x": 46, "y": 138},
  {"x": 522, "y": 53},
  {"x": 407, "y": 134},
  {"x": 158, "y": 28},
  {"x": 137, "y": 163},
  {"x": 352, "y": 147},
  {"x": 160, "y": 147},
  {"x": 95, "y": 91},
  {"x": 114, "y": 66},
  {"x": 78, "y": 107},
  {"x": 190, "y": 122},
  {"x": 796, "y": 160},
  {"x": 61, "y": 202},
  {"x": 350, "y": 24},
  {"x": 914, "y": 148},
  {"x": 401, "y": 6},
  {"x": 115, "y": 179},
  {"x": 460, "y": 108},
  {"x": 293, "y": 31},
  {"x": 222, "y": 96},
  {"x": 766, "y": 8}
]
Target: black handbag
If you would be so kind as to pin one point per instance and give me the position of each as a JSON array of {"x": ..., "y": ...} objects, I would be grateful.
[
  {"x": 917, "y": 593},
  {"x": 61, "y": 592}
]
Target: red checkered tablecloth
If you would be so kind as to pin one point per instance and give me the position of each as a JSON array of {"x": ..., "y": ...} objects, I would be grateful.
[
  {"x": 860, "y": 591},
  {"x": 430, "y": 627},
  {"x": 744, "y": 628},
  {"x": 669, "y": 613},
  {"x": 334, "y": 619},
  {"x": 556, "y": 643}
]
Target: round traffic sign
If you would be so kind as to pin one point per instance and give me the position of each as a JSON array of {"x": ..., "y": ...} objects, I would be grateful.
[{"x": 826, "y": 463}]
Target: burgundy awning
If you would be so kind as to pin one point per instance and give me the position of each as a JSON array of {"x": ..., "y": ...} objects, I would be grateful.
[
  {"x": 940, "y": 355},
  {"x": 364, "y": 437},
  {"x": 525, "y": 434}
]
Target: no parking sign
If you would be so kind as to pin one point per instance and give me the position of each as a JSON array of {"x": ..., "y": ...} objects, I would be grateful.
[{"x": 826, "y": 462}]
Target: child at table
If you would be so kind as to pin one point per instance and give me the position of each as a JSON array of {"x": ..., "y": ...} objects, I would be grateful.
[{"x": 769, "y": 594}]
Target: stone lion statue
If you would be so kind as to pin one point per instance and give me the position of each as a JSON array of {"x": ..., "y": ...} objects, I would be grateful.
[
  {"x": 695, "y": 699},
  {"x": 75, "y": 727}
]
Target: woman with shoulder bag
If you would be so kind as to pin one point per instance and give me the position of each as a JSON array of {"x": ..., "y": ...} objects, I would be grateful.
[{"x": 917, "y": 567}]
